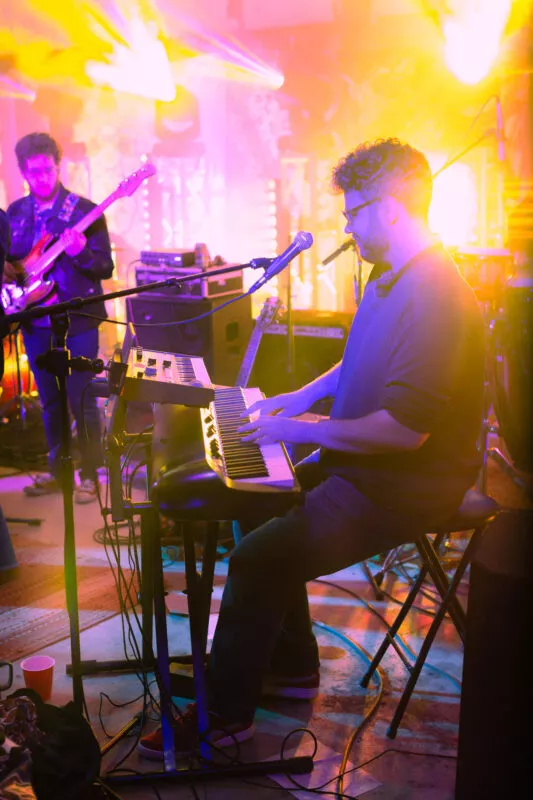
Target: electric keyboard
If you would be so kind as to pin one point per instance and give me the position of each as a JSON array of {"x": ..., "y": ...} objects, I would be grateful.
[
  {"x": 159, "y": 377},
  {"x": 243, "y": 465}
]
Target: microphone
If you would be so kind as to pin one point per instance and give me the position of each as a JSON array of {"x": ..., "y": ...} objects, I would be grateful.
[
  {"x": 344, "y": 246},
  {"x": 500, "y": 137},
  {"x": 301, "y": 241}
]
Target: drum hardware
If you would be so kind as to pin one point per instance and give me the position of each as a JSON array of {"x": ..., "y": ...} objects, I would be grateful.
[
  {"x": 508, "y": 384},
  {"x": 16, "y": 404},
  {"x": 15, "y": 410}
]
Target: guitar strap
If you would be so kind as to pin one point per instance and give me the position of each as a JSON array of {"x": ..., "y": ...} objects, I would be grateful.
[
  {"x": 57, "y": 223},
  {"x": 69, "y": 204}
]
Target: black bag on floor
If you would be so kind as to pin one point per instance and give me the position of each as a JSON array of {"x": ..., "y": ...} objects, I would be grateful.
[{"x": 66, "y": 759}]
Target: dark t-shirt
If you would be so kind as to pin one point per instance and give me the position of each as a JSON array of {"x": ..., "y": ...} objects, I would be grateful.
[{"x": 418, "y": 352}]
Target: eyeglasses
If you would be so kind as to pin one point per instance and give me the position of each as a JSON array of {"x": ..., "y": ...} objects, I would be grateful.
[
  {"x": 36, "y": 172},
  {"x": 351, "y": 213}
]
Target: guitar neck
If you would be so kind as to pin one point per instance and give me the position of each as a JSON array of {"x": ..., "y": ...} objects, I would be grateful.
[{"x": 249, "y": 358}]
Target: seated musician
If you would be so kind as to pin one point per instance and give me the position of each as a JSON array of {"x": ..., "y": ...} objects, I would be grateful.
[
  {"x": 49, "y": 211},
  {"x": 395, "y": 457}
]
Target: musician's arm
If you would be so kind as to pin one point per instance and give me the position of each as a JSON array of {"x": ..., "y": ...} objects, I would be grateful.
[
  {"x": 378, "y": 432},
  {"x": 323, "y": 386},
  {"x": 293, "y": 404},
  {"x": 95, "y": 259}
]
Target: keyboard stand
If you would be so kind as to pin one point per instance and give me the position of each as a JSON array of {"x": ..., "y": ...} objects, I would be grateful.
[{"x": 199, "y": 589}]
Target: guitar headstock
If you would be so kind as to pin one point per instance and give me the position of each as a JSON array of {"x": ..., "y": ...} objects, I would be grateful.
[
  {"x": 271, "y": 308},
  {"x": 129, "y": 185}
]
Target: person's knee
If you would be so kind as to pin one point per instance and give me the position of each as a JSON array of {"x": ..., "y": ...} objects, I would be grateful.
[{"x": 258, "y": 561}]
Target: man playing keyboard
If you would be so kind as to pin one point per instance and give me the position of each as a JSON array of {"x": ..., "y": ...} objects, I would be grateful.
[{"x": 395, "y": 457}]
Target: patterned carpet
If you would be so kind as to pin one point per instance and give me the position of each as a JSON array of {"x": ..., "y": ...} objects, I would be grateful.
[{"x": 33, "y": 611}]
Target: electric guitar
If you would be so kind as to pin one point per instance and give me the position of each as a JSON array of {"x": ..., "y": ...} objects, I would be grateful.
[
  {"x": 36, "y": 287},
  {"x": 269, "y": 312}
]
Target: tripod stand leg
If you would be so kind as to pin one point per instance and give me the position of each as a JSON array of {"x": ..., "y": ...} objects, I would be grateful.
[{"x": 150, "y": 520}]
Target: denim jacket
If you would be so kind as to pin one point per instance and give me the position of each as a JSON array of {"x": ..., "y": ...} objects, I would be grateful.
[{"x": 80, "y": 276}]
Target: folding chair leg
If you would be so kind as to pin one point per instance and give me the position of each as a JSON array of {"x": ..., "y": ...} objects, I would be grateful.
[
  {"x": 393, "y": 630},
  {"x": 440, "y": 579},
  {"x": 435, "y": 625},
  {"x": 370, "y": 578}
]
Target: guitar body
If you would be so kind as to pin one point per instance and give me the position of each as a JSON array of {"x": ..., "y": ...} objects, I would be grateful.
[
  {"x": 36, "y": 252},
  {"x": 18, "y": 298},
  {"x": 28, "y": 289}
]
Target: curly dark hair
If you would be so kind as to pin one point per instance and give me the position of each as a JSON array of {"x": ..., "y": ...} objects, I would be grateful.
[
  {"x": 36, "y": 144},
  {"x": 386, "y": 166}
]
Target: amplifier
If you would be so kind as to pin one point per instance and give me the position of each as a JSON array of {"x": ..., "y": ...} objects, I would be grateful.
[
  {"x": 319, "y": 340},
  {"x": 495, "y": 733},
  {"x": 220, "y": 338},
  {"x": 205, "y": 286},
  {"x": 171, "y": 258}
]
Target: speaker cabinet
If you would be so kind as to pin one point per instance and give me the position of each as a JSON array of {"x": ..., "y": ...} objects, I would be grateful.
[
  {"x": 495, "y": 752},
  {"x": 319, "y": 339},
  {"x": 220, "y": 338}
]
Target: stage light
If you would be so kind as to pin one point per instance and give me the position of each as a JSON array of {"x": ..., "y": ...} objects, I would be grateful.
[
  {"x": 11, "y": 88},
  {"x": 141, "y": 67},
  {"x": 473, "y": 32},
  {"x": 453, "y": 214}
]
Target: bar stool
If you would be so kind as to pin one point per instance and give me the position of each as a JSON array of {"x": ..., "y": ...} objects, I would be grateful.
[{"x": 476, "y": 512}]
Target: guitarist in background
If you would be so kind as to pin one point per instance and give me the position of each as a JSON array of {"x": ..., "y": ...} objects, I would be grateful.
[{"x": 43, "y": 216}]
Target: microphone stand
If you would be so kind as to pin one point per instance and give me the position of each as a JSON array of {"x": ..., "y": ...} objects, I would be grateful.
[
  {"x": 57, "y": 361},
  {"x": 358, "y": 277},
  {"x": 290, "y": 334}
]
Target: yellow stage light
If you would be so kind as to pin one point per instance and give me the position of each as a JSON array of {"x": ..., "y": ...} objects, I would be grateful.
[
  {"x": 142, "y": 67},
  {"x": 454, "y": 209},
  {"x": 473, "y": 30}
]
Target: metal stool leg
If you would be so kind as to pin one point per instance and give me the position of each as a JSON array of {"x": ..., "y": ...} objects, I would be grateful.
[
  {"x": 430, "y": 636},
  {"x": 395, "y": 627},
  {"x": 371, "y": 580},
  {"x": 440, "y": 579},
  {"x": 393, "y": 630}
]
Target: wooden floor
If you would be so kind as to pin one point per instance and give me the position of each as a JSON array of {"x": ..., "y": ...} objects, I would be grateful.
[{"x": 418, "y": 765}]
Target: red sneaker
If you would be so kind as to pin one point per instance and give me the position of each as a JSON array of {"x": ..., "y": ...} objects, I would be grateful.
[{"x": 186, "y": 735}]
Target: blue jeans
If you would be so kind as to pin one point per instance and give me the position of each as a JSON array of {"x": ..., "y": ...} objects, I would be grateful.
[
  {"x": 86, "y": 414},
  {"x": 264, "y": 620}
]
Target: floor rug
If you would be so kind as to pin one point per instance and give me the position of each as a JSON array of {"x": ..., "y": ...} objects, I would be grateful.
[{"x": 33, "y": 611}]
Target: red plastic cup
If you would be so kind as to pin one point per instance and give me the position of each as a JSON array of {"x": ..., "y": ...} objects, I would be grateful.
[{"x": 38, "y": 674}]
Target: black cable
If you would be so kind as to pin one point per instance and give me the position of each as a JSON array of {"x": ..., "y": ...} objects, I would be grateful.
[
  {"x": 163, "y": 324},
  {"x": 376, "y": 613}
]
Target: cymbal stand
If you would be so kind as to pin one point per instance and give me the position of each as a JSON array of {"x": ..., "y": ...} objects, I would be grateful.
[{"x": 487, "y": 426}]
